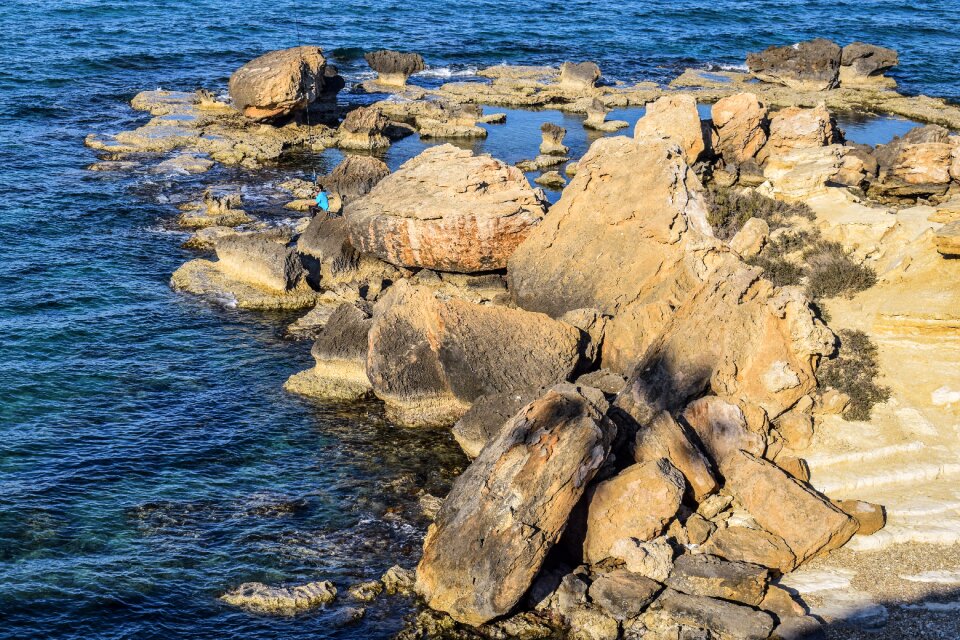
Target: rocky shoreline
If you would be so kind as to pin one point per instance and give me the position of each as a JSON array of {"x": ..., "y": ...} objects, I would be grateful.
[{"x": 640, "y": 371}]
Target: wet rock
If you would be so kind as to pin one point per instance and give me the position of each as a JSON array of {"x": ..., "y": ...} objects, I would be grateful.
[
  {"x": 581, "y": 76},
  {"x": 706, "y": 575},
  {"x": 347, "y": 616},
  {"x": 806, "y": 521},
  {"x": 430, "y": 505},
  {"x": 340, "y": 353},
  {"x": 258, "y": 597},
  {"x": 398, "y": 580},
  {"x": 446, "y": 209},
  {"x": 184, "y": 163},
  {"x": 808, "y": 66},
  {"x": 216, "y": 209},
  {"x": 509, "y": 507},
  {"x": 635, "y": 504},
  {"x": 755, "y": 546},
  {"x": 739, "y": 122},
  {"x": 664, "y": 437},
  {"x": 862, "y": 65},
  {"x": 552, "y": 143},
  {"x": 623, "y": 594},
  {"x": 362, "y": 130},
  {"x": 431, "y": 358},
  {"x": 725, "y": 619},
  {"x": 278, "y": 83},
  {"x": 675, "y": 118},
  {"x": 870, "y": 517},
  {"x": 394, "y": 67},
  {"x": 366, "y": 591}
]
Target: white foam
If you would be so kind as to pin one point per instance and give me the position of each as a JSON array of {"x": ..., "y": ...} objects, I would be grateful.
[
  {"x": 447, "y": 72},
  {"x": 942, "y": 576}
]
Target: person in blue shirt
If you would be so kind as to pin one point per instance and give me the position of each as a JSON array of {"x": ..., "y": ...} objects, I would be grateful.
[{"x": 323, "y": 202}]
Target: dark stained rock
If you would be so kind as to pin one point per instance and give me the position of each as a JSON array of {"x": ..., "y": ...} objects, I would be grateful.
[
  {"x": 751, "y": 545},
  {"x": 394, "y": 67},
  {"x": 810, "y": 66},
  {"x": 663, "y": 437},
  {"x": 868, "y": 59},
  {"x": 706, "y": 575},
  {"x": 623, "y": 594},
  {"x": 487, "y": 415},
  {"x": 726, "y": 619},
  {"x": 583, "y": 75},
  {"x": 510, "y": 506}
]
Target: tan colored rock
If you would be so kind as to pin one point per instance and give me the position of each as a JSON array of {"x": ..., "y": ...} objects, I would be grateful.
[
  {"x": 447, "y": 209},
  {"x": 596, "y": 119},
  {"x": 653, "y": 559},
  {"x": 806, "y": 521},
  {"x": 721, "y": 618},
  {"x": 432, "y": 356},
  {"x": 796, "y": 467},
  {"x": 581, "y": 76},
  {"x": 862, "y": 65},
  {"x": 215, "y": 209},
  {"x": 722, "y": 428},
  {"x": 698, "y": 528},
  {"x": 509, "y": 507},
  {"x": 552, "y": 143},
  {"x": 796, "y": 128},
  {"x": 278, "y": 83},
  {"x": 675, "y": 118},
  {"x": 796, "y": 427},
  {"x": 340, "y": 352},
  {"x": 664, "y": 437},
  {"x": 780, "y": 602},
  {"x": 590, "y": 623},
  {"x": 394, "y": 67},
  {"x": 258, "y": 597},
  {"x": 751, "y": 545},
  {"x": 362, "y": 130},
  {"x": 739, "y": 125},
  {"x": 798, "y": 175},
  {"x": 706, "y": 575},
  {"x": 752, "y": 238},
  {"x": 871, "y": 517},
  {"x": 813, "y": 65},
  {"x": 637, "y": 503},
  {"x": 947, "y": 239},
  {"x": 924, "y": 163}
]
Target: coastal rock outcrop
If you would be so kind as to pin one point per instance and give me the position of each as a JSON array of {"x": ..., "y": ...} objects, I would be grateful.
[
  {"x": 431, "y": 356},
  {"x": 507, "y": 510},
  {"x": 394, "y": 67},
  {"x": 739, "y": 122},
  {"x": 447, "y": 209},
  {"x": 676, "y": 118},
  {"x": 355, "y": 176},
  {"x": 552, "y": 143},
  {"x": 809, "y": 66},
  {"x": 863, "y": 65},
  {"x": 279, "y": 82},
  {"x": 362, "y": 130},
  {"x": 262, "y": 598},
  {"x": 579, "y": 76}
]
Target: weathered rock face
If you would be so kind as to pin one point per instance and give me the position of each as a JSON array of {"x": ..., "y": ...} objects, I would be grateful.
[
  {"x": 739, "y": 122},
  {"x": 260, "y": 259},
  {"x": 722, "y": 428},
  {"x": 330, "y": 258},
  {"x": 278, "y": 83},
  {"x": 579, "y": 76},
  {"x": 795, "y": 128},
  {"x": 947, "y": 240},
  {"x": 706, "y": 575},
  {"x": 721, "y": 618},
  {"x": 635, "y": 504},
  {"x": 806, "y": 521},
  {"x": 863, "y": 65},
  {"x": 449, "y": 210},
  {"x": 623, "y": 594},
  {"x": 553, "y": 139},
  {"x": 486, "y": 417},
  {"x": 751, "y": 545},
  {"x": 394, "y": 67},
  {"x": 675, "y": 118},
  {"x": 509, "y": 507},
  {"x": 430, "y": 358},
  {"x": 924, "y": 163},
  {"x": 340, "y": 353},
  {"x": 355, "y": 176},
  {"x": 664, "y": 437},
  {"x": 808, "y": 66},
  {"x": 362, "y": 130}
]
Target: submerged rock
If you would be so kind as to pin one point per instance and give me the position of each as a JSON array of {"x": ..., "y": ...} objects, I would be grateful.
[
  {"x": 258, "y": 597},
  {"x": 509, "y": 507},
  {"x": 446, "y": 209}
]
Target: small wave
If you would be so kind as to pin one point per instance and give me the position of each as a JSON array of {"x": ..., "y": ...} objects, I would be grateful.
[
  {"x": 727, "y": 67},
  {"x": 447, "y": 72}
]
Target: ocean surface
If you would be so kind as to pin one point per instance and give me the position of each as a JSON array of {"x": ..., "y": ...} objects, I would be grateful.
[{"x": 149, "y": 459}]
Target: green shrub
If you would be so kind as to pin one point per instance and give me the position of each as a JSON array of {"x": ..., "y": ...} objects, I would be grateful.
[
  {"x": 854, "y": 372},
  {"x": 728, "y": 210},
  {"x": 832, "y": 272}
]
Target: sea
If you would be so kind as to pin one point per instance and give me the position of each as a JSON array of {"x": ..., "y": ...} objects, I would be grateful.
[{"x": 149, "y": 458}]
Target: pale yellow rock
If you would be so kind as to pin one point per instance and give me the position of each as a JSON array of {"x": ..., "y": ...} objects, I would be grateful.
[{"x": 674, "y": 118}]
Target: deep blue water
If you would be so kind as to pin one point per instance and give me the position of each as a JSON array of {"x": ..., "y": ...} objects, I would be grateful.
[{"x": 149, "y": 459}]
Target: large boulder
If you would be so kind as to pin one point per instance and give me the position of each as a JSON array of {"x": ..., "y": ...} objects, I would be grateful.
[
  {"x": 355, "y": 176},
  {"x": 636, "y": 504},
  {"x": 264, "y": 260},
  {"x": 664, "y": 437},
  {"x": 394, "y": 67},
  {"x": 676, "y": 118},
  {"x": 507, "y": 510},
  {"x": 362, "y": 130},
  {"x": 330, "y": 258},
  {"x": 581, "y": 76},
  {"x": 447, "y": 209},
  {"x": 796, "y": 128},
  {"x": 808, "y": 66},
  {"x": 739, "y": 122},
  {"x": 807, "y": 521},
  {"x": 431, "y": 356},
  {"x": 863, "y": 65},
  {"x": 278, "y": 83}
]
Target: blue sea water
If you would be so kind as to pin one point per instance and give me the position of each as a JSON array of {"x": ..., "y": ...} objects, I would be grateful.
[{"x": 149, "y": 459}]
